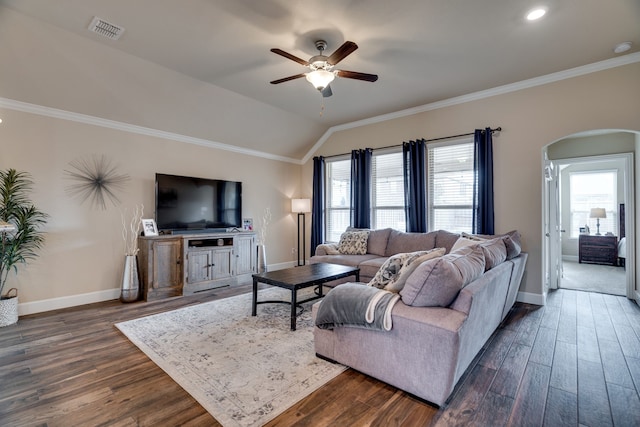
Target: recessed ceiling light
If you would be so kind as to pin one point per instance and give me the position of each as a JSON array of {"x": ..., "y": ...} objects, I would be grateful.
[
  {"x": 622, "y": 47},
  {"x": 536, "y": 13}
]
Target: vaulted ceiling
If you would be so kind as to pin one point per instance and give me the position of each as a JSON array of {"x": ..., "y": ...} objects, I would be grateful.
[{"x": 422, "y": 50}]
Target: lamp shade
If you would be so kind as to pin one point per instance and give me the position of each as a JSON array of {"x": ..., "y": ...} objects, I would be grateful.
[
  {"x": 300, "y": 205},
  {"x": 598, "y": 213},
  {"x": 320, "y": 79}
]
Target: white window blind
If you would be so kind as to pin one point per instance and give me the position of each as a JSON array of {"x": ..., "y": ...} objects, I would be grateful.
[
  {"x": 338, "y": 198},
  {"x": 387, "y": 196},
  {"x": 593, "y": 190},
  {"x": 450, "y": 185}
]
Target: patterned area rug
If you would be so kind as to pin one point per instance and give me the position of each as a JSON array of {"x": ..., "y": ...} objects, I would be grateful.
[{"x": 244, "y": 370}]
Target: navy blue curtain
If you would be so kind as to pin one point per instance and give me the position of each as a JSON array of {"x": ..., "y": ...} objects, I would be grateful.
[
  {"x": 317, "y": 204},
  {"x": 483, "y": 216},
  {"x": 415, "y": 185},
  {"x": 361, "y": 188}
]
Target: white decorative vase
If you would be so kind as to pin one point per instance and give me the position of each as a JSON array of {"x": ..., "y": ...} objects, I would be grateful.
[
  {"x": 9, "y": 308},
  {"x": 262, "y": 259},
  {"x": 130, "y": 290}
]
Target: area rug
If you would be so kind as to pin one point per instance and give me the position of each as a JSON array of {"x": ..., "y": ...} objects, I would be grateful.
[{"x": 243, "y": 370}]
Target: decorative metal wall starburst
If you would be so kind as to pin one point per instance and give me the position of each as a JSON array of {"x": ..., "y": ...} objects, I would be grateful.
[{"x": 97, "y": 180}]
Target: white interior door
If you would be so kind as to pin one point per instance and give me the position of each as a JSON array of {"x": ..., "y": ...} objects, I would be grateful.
[{"x": 553, "y": 227}]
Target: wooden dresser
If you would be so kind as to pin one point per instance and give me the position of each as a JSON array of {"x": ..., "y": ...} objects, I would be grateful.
[{"x": 598, "y": 249}]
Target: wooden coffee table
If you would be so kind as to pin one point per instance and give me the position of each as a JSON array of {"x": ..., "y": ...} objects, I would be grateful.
[{"x": 295, "y": 278}]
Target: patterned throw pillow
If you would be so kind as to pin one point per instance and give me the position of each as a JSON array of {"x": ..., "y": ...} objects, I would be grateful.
[
  {"x": 389, "y": 272},
  {"x": 353, "y": 243},
  {"x": 409, "y": 266}
]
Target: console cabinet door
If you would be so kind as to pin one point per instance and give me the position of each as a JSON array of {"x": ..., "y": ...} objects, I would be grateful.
[
  {"x": 200, "y": 263},
  {"x": 160, "y": 262},
  {"x": 166, "y": 264},
  {"x": 222, "y": 263},
  {"x": 245, "y": 251}
]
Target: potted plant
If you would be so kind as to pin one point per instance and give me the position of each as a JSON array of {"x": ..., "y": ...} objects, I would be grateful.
[{"x": 20, "y": 235}]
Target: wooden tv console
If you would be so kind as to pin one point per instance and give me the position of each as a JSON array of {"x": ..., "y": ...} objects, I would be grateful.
[{"x": 183, "y": 264}]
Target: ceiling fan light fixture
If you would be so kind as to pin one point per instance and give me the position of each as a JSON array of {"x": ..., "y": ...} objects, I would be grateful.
[{"x": 320, "y": 79}]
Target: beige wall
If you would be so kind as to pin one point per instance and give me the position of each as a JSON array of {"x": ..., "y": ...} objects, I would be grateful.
[
  {"x": 83, "y": 253},
  {"x": 531, "y": 119}
]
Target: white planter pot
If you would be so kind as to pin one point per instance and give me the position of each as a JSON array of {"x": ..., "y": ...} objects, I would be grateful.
[{"x": 9, "y": 308}]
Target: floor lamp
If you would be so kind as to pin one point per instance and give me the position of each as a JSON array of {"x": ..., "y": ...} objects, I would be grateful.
[{"x": 301, "y": 206}]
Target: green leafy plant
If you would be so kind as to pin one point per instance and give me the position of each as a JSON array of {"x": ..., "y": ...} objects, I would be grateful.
[{"x": 21, "y": 244}]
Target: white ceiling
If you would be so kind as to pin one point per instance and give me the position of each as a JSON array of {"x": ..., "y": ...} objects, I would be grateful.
[{"x": 423, "y": 50}]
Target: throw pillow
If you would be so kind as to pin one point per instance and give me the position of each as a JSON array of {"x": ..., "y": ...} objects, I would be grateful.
[
  {"x": 511, "y": 241},
  {"x": 409, "y": 267},
  {"x": 437, "y": 282},
  {"x": 389, "y": 271},
  {"x": 353, "y": 242},
  {"x": 495, "y": 252},
  {"x": 462, "y": 242}
]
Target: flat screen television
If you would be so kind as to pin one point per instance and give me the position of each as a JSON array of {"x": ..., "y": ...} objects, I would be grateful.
[{"x": 190, "y": 204}]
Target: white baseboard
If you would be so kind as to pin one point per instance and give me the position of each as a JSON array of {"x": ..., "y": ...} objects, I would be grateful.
[
  {"x": 529, "y": 298},
  {"x": 92, "y": 297},
  {"x": 572, "y": 258},
  {"x": 66, "y": 302}
]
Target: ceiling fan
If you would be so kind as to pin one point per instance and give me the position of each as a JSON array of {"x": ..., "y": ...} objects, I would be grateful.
[{"x": 321, "y": 72}]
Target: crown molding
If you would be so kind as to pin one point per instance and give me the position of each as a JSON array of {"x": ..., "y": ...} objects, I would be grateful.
[
  {"x": 40, "y": 110},
  {"x": 499, "y": 90}
]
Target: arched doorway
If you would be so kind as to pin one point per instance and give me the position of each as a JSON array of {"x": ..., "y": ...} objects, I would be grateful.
[{"x": 600, "y": 157}]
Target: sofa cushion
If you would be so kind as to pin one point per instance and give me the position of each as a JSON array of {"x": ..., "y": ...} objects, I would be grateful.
[
  {"x": 370, "y": 267},
  {"x": 390, "y": 270},
  {"x": 408, "y": 268},
  {"x": 327, "y": 249},
  {"x": 400, "y": 242},
  {"x": 511, "y": 241},
  {"x": 353, "y": 242},
  {"x": 377, "y": 242},
  {"x": 464, "y": 241},
  {"x": 437, "y": 282},
  {"x": 350, "y": 260},
  {"x": 495, "y": 252},
  {"x": 446, "y": 239}
]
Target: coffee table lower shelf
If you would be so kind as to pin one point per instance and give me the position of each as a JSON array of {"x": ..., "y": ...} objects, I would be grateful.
[{"x": 301, "y": 277}]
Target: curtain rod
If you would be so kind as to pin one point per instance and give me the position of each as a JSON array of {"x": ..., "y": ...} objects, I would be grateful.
[{"x": 498, "y": 129}]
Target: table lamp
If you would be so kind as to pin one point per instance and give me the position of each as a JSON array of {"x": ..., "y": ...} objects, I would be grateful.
[{"x": 598, "y": 213}]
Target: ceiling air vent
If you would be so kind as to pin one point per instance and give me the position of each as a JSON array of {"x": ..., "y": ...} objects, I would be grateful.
[{"x": 106, "y": 29}]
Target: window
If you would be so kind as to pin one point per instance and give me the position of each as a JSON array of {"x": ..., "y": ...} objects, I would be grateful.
[
  {"x": 387, "y": 195},
  {"x": 338, "y": 198},
  {"x": 450, "y": 183},
  {"x": 593, "y": 190}
]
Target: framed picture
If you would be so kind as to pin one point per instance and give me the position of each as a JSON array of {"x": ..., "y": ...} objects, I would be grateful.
[
  {"x": 149, "y": 227},
  {"x": 247, "y": 224}
]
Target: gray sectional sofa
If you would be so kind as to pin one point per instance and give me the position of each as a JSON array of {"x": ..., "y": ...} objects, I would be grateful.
[{"x": 449, "y": 308}]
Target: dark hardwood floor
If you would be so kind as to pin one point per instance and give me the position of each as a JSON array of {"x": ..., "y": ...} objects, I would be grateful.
[{"x": 575, "y": 361}]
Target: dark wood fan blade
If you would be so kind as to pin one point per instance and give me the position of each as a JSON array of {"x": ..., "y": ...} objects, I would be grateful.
[
  {"x": 327, "y": 92},
  {"x": 342, "y": 52},
  {"x": 358, "y": 76},
  {"x": 286, "y": 79},
  {"x": 289, "y": 56}
]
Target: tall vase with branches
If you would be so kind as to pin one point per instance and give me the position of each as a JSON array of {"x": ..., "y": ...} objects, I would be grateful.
[
  {"x": 130, "y": 289},
  {"x": 20, "y": 236}
]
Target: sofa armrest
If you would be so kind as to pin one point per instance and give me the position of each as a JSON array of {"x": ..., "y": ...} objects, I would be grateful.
[{"x": 327, "y": 249}]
